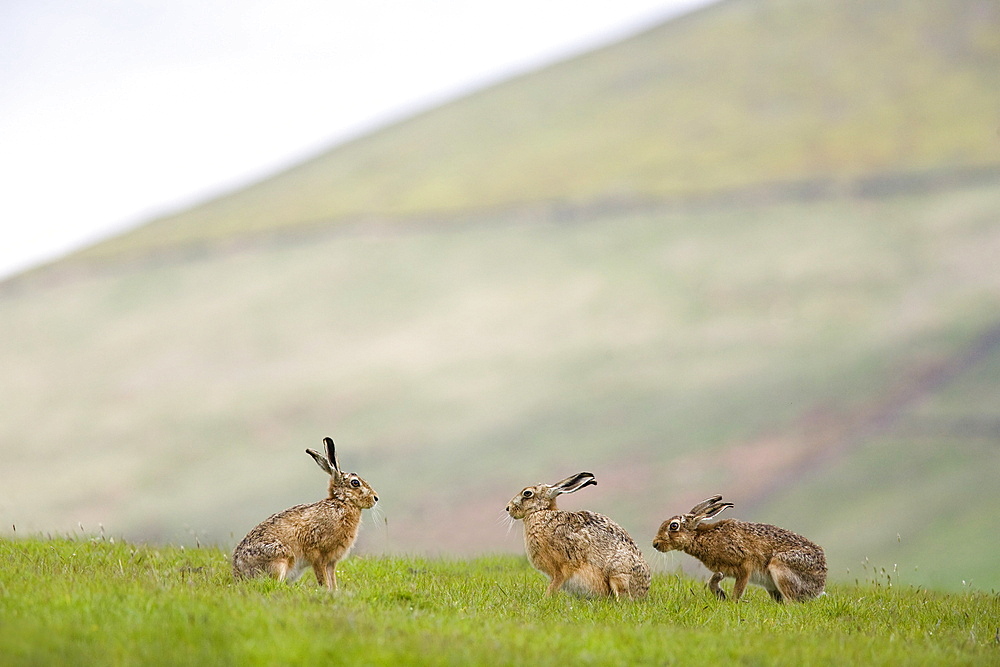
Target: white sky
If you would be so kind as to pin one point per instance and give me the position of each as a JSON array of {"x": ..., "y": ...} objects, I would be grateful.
[{"x": 114, "y": 111}]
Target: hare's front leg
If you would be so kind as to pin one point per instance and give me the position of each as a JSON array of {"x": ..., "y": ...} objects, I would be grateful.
[
  {"x": 558, "y": 579},
  {"x": 742, "y": 579},
  {"x": 713, "y": 585},
  {"x": 326, "y": 574}
]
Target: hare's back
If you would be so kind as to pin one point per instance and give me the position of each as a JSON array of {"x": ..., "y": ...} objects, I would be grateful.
[
  {"x": 297, "y": 520},
  {"x": 781, "y": 540},
  {"x": 274, "y": 528},
  {"x": 601, "y": 532}
]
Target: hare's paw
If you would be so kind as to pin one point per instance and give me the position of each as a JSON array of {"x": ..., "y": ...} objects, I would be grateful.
[{"x": 713, "y": 585}]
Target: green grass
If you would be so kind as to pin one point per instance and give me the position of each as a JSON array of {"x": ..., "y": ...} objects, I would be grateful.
[{"x": 95, "y": 602}]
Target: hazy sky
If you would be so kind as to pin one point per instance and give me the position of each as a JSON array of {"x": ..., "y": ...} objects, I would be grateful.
[{"x": 114, "y": 111}]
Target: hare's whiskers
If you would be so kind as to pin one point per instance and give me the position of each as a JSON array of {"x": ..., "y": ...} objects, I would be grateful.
[
  {"x": 505, "y": 519},
  {"x": 378, "y": 514}
]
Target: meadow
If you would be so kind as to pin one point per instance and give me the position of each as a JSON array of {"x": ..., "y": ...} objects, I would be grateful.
[{"x": 98, "y": 601}]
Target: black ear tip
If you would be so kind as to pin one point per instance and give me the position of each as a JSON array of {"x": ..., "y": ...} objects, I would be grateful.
[{"x": 327, "y": 441}]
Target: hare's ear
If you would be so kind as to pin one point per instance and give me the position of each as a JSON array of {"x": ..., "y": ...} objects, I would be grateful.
[
  {"x": 704, "y": 505},
  {"x": 331, "y": 453},
  {"x": 574, "y": 483},
  {"x": 320, "y": 461},
  {"x": 715, "y": 509}
]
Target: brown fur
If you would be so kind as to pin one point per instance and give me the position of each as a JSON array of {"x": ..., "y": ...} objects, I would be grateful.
[
  {"x": 787, "y": 565},
  {"x": 319, "y": 534},
  {"x": 586, "y": 552}
]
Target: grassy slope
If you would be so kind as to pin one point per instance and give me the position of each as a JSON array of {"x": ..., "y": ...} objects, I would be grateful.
[
  {"x": 942, "y": 454},
  {"x": 739, "y": 94},
  {"x": 91, "y": 602},
  {"x": 674, "y": 354}
]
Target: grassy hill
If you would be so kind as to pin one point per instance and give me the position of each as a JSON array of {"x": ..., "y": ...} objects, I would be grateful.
[
  {"x": 828, "y": 363},
  {"x": 739, "y": 95},
  {"x": 90, "y": 602},
  {"x": 745, "y": 351}
]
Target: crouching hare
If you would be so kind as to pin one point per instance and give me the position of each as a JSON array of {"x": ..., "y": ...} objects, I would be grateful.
[
  {"x": 787, "y": 565},
  {"x": 318, "y": 534},
  {"x": 588, "y": 553}
]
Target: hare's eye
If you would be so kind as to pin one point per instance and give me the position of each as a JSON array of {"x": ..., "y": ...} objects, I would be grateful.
[
  {"x": 674, "y": 526},
  {"x": 355, "y": 483},
  {"x": 527, "y": 493}
]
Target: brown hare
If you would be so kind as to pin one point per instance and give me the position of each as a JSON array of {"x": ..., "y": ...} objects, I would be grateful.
[
  {"x": 318, "y": 534},
  {"x": 586, "y": 552},
  {"x": 787, "y": 565}
]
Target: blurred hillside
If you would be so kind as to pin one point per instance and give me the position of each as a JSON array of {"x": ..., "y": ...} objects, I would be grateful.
[
  {"x": 749, "y": 252},
  {"x": 775, "y": 97}
]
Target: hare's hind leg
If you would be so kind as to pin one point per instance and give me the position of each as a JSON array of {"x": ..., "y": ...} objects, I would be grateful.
[
  {"x": 281, "y": 568},
  {"x": 787, "y": 581},
  {"x": 627, "y": 585},
  {"x": 620, "y": 585}
]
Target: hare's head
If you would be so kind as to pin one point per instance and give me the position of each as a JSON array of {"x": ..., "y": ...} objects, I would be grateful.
[
  {"x": 347, "y": 485},
  {"x": 543, "y": 496},
  {"x": 677, "y": 532}
]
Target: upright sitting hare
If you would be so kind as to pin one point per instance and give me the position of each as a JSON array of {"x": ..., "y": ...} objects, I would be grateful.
[
  {"x": 788, "y": 565},
  {"x": 587, "y": 552},
  {"x": 318, "y": 534}
]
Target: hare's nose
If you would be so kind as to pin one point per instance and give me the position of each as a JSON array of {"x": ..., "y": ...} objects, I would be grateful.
[{"x": 376, "y": 498}]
